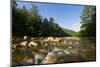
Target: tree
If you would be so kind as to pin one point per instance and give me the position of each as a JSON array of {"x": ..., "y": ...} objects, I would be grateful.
[
  {"x": 34, "y": 9},
  {"x": 25, "y": 22},
  {"x": 28, "y": 22},
  {"x": 88, "y": 17}
]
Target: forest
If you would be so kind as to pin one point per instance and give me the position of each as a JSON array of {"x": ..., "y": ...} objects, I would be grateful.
[{"x": 30, "y": 23}]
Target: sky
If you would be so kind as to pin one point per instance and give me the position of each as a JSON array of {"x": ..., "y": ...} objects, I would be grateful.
[{"x": 66, "y": 15}]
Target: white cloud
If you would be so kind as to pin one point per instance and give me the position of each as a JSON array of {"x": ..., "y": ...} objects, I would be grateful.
[{"x": 75, "y": 26}]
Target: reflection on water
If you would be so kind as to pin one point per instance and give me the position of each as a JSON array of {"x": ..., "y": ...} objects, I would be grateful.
[{"x": 48, "y": 50}]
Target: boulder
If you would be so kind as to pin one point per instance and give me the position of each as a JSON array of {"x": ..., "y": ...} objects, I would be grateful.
[
  {"x": 38, "y": 58},
  {"x": 32, "y": 43},
  {"x": 24, "y": 43}
]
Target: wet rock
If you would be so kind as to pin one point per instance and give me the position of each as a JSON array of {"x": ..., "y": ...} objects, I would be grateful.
[
  {"x": 38, "y": 58},
  {"x": 67, "y": 52},
  {"x": 32, "y": 43},
  {"x": 27, "y": 60},
  {"x": 70, "y": 47},
  {"x": 53, "y": 57},
  {"x": 25, "y": 37},
  {"x": 24, "y": 43},
  {"x": 58, "y": 49},
  {"x": 50, "y": 58}
]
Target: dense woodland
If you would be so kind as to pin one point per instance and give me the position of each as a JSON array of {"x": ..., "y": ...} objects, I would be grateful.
[{"x": 30, "y": 23}]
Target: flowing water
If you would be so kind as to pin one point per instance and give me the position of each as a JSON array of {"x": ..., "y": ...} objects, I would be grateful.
[{"x": 48, "y": 50}]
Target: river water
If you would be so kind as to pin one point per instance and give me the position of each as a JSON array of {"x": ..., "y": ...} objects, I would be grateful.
[{"x": 50, "y": 50}]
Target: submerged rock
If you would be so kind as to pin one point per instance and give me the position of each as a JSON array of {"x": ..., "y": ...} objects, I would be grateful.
[
  {"x": 50, "y": 58},
  {"x": 38, "y": 58},
  {"x": 27, "y": 60}
]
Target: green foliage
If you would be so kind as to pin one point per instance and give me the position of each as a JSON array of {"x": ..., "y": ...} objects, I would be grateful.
[
  {"x": 72, "y": 33},
  {"x": 88, "y": 17},
  {"x": 30, "y": 23}
]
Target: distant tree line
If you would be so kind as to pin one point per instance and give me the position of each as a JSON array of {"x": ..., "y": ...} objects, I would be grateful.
[{"x": 30, "y": 23}]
